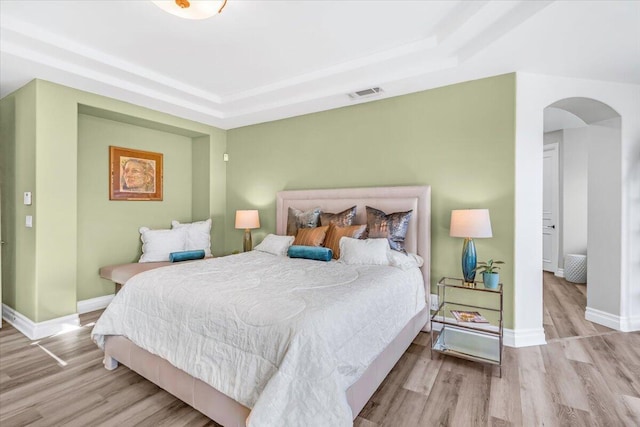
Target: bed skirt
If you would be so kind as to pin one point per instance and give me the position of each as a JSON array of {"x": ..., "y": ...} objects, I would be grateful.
[{"x": 226, "y": 411}]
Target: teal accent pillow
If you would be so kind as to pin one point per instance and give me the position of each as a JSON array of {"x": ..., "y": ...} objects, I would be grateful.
[
  {"x": 317, "y": 253},
  {"x": 186, "y": 255}
]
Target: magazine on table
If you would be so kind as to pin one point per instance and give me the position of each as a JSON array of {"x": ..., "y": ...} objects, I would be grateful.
[{"x": 469, "y": 316}]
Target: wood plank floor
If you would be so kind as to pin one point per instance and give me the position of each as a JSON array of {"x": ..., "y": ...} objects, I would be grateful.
[
  {"x": 575, "y": 380},
  {"x": 564, "y": 307}
]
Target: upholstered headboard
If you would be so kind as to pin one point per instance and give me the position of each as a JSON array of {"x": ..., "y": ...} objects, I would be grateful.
[{"x": 387, "y": 199}]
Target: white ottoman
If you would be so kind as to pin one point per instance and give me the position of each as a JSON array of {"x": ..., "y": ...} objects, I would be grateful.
[{"x": 575, "y": 268}]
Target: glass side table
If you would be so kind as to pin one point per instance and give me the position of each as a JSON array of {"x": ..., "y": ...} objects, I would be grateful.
[{"x": 464, "y": 336}]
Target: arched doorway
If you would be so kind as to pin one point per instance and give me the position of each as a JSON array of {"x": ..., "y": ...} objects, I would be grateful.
[
  {"x": 586, "y": 137},
  {"x": 533, "y": 94}
]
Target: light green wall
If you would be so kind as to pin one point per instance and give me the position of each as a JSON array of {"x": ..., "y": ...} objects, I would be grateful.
[
  {"x": 107, "y": 229},
  {"x": 211, "y": 193},
  {"x": 18, "y": 146},
  {"x": 199, "y": 166},
  {"x": 47, "y": 271},
  {"x": 55, "y": 201},
  {"x": 7, "y": 193},
  {"x": 459, "y": 139}
]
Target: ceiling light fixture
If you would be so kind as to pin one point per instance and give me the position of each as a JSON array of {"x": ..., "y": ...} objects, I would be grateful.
[{"x": 196, "y": 9}]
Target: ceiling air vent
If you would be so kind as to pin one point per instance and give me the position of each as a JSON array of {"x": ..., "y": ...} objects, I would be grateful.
[{"x": 365, "y": 93}]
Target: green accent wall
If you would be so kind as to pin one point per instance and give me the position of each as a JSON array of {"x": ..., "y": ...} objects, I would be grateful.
[
  {"x": 108, "y": 230},
  {"x": 459, "y": 139},
  {"x": 17, "y": 148},
  {"x": 55, "y": 143}
]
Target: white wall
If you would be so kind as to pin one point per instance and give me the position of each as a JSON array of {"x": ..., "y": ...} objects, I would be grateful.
[
  {"x": 533, "y": 94},
  {"x": 575, "y": 149},
  {"x": 604, "y": 208}
]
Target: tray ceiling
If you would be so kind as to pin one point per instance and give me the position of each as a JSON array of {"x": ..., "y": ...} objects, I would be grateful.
[{"x": 266, "y": 60}]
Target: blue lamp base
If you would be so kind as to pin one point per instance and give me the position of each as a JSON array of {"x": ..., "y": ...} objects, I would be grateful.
[{"x": 469, "y": 260}]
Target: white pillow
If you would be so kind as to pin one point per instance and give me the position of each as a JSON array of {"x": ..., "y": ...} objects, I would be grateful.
[
  {"x": 198, "y": 235},
  {"x": 405, "y": 261},
  {"x": 276, "y": 245},
  {"x": 364, "y": 252},
  {"x": 158, "y": 244}
]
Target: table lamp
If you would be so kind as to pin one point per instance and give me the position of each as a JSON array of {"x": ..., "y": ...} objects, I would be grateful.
[
  {"x": 470, "y": 224},
  {"x": 247, "y": 220}
]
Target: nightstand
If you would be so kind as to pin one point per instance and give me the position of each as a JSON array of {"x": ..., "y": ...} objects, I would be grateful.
[{"x": 479, "y": 342}]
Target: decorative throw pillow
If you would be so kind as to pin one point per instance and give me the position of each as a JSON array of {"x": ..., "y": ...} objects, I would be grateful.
[
  {"x": 298, "y": 219},
  {"x": 335, "y": 233},
  {"x": 198, "y": 235},
  {"x": 341, "y": 219},
  {"x": 393, "y": 226},
  {"x": 158, "y": 244},
  {"x": 317, "y": 253},
  {"x": 364, "y": 252},
  {"x": 186, "y": 255},
  {"x": 310, "y": 236},
  {"x": 405, "y": 261},
  {"x": 276, "y": 245}
]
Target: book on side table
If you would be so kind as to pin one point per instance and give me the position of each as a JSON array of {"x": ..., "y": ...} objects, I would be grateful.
[{"x": 469, "y": 316}]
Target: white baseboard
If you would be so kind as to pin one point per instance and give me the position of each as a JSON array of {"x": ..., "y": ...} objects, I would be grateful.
[
  {"x": 524, "y": 337},
  {"x": 35, "y": 331},
  {"x": 93, "y": 304},
  {"x": 613, "y": 321},
  {"x": 560, "y": 273},
  {"x": 513, "y": 338}
]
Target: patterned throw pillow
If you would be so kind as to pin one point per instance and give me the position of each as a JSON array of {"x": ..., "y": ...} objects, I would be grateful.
[
  {"x": 310, "y": 236},
  {"x": 393, "y": 226},
  {"x": 298, "y": 219},
  {"x": 341, "y": 219},
  {"x": 335, "y": 233}
]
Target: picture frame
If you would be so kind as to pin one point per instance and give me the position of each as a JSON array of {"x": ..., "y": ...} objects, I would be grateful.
[{"x": 135, "y": 174}]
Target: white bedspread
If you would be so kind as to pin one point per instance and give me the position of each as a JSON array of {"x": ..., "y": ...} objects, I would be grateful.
[{"x": 284, "y": 337}]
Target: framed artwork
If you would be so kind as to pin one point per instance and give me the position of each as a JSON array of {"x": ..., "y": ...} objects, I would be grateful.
[{"x": 134, "y": 174}]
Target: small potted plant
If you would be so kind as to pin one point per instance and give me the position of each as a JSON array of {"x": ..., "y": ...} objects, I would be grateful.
[{"x": 490, "y": 275}]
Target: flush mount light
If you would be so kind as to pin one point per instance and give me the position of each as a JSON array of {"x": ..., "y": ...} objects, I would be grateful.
[{"x": 196, "y": 9}]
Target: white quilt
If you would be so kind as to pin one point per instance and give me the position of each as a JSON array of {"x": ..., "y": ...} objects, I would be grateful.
[{"x": 284, "y": 337}]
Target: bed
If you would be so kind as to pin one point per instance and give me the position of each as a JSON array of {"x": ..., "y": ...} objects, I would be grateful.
[{"x": 320, "y": 367}]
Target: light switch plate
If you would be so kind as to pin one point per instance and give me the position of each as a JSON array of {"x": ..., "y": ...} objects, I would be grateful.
[
  {"x": 27, "y": 198},
  {"x": 28, "y": 221}
]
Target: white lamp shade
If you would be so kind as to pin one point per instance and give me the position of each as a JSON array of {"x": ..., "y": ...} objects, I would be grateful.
[
  {"x": 247, "y": 219},
  {"x": 198, "y": 9},
  {"x": 474, "y": 223}
]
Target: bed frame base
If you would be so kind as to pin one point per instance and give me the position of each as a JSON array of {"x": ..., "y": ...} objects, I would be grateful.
[{"x": 226, "y": 411}]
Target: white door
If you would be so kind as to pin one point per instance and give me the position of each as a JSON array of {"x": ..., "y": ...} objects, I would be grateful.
[{"x": 550, "y": 203}]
